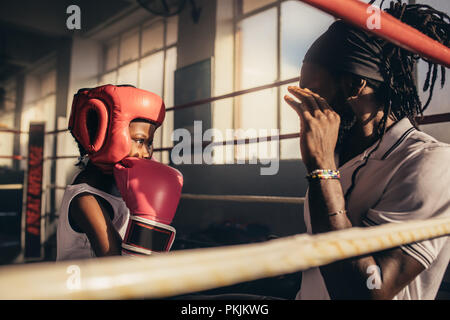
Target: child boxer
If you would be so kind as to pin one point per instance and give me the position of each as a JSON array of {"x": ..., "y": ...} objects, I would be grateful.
[{"x": 122, "y": 202}]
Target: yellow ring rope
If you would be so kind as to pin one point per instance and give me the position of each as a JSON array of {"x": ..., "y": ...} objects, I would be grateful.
[{"x": 187, "y": 271}]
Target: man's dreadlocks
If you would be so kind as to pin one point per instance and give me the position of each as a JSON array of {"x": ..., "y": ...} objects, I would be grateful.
[
  {"x": 399, "y": 88},
  {"x": 398, "y": 93}
]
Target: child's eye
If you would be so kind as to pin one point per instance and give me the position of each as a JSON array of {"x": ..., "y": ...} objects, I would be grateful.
[{"x": 140, "y": 141}]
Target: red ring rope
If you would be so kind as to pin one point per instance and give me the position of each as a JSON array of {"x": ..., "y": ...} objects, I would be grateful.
[{"x": 401, "y": 34}]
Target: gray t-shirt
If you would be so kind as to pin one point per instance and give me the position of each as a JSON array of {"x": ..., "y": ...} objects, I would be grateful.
[{"x": 407, "y": 178}]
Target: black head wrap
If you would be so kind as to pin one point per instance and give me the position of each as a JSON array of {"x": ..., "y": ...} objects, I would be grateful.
[{"x": 346, "y": 48}]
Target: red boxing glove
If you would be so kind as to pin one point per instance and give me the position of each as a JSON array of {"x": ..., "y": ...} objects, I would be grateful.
[{"x": 151, "y": 190}]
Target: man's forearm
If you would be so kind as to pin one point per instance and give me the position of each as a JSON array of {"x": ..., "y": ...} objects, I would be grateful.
[
  {"x": 326, "y": 197},
  {"x": 345, "y": 279}
]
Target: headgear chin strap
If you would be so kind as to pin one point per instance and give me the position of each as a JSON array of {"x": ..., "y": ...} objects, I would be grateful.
[{"x": 115, "y": 107}]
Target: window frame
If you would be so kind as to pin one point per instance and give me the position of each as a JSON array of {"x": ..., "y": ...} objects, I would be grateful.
[
  {"x": 140, "y": 27},
  {"x": 238, "y": 17},
  {"x": 140, "y": 56}
]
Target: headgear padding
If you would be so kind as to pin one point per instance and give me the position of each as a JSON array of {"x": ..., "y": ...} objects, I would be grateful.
[{"x": 115, "y": 107}]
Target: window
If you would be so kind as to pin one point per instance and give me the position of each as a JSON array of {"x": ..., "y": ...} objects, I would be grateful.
[
  {"x": 7, "y": 107},
  {"x": 268, "y": 39},
  {"x": 251, "y": 5},
  {"x": 439, "y": 103},
  {"x": 39, "y": 106},
  {"x": 146, "y": 57}
]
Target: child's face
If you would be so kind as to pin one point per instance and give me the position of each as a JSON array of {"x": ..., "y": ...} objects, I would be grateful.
[{"x": 141, "y": 139}]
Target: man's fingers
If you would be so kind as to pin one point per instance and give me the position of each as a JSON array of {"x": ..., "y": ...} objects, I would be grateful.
[
  {"x": 323, "y": 104},
  {"x": 306, "y": 97},
  {"x": 298, "y": 107}
]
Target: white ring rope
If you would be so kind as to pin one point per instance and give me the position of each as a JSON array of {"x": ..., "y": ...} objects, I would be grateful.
[
  {"x": 187, "y": 271},
  {"x": 15, "y": 186}
]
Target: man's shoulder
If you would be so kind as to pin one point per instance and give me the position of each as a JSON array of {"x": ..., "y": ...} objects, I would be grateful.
[{"x": 420, "y": 145}]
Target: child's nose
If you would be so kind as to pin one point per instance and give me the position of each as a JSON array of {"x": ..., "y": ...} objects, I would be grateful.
[{"x": 146, "y": 153}]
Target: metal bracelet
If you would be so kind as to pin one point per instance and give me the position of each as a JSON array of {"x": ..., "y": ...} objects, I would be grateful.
[{"x": 337, "y": 212}]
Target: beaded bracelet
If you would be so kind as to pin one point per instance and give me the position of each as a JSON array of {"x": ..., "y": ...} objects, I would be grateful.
[{"x": 324, "y": 174}]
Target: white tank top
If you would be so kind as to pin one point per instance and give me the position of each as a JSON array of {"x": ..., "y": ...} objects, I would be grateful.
[{"x": 74, "y": 245}]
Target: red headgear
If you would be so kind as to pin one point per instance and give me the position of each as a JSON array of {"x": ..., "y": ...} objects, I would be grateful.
[{"x": 116, "y": 107}]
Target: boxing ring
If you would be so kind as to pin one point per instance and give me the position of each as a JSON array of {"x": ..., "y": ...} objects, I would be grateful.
[{"x": 186, "y": 271}]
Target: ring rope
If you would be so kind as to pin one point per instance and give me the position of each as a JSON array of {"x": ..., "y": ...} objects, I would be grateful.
[
  {"x": 243, "y": 198},
  {"x": 12, "y": 186},
  {"x": 392, "y": 29},
  {"x": 421, "y": 120},
  {"x": 186, "y": 271}
]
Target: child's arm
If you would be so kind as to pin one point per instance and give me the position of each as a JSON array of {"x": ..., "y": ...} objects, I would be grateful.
[{"x": 92, "y": 215}]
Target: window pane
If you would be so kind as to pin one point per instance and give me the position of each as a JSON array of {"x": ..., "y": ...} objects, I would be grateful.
[
  {"x": 255, "y": 151},
  {"x": 223, "y": 154},
  {"x": 439, "y": 101},
  {"x": 258, "y": 110},
  {"x": 169, "y": 81},
  {"x": 42, "y": 110},
  {"x": 9, "y": 104},
  {"x": 128, "y": 74},
  {"x": 48, "y": 83},
  {"x": 26, "y": 116},
  {"x": 167, "y": 129},
  {"x": 250, "y": 5},
  {"x": 441, "y": 97},
  {"x": 301, "y": 25},
  {"x": 222, "y": 112},
  {"x": 172, "y": 30},
  {"x": 48, "y": 106},
  {"x": 109, "y": 78},
  {"x": 10, "y": 91},
  {"x": 7, "y": 140},
  {"x": 91, "y": 82},
  {"x": 290, "y": 149},
  {"x": 224, "y": 51},
  {"x": 151, "y": 73},
  {"x": 152, "y": 37},
  {"x": 157, "y": 140},
  {"x": 256, "y": 116},
  {"x": 439, "y": 131},
  {"x": 111, "y": 55},
  {"x": 10, "y": 96},
  {"x": 257, "y": 49},
  {"x": 157, "y": 156},
  {"x": 165, "y": 157},
  {"x": 290, "y": 123},
  {"x": 171, "y": 64},
  {"x": 32, "y": 90},
  {"x": 129, "y": 46}
]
